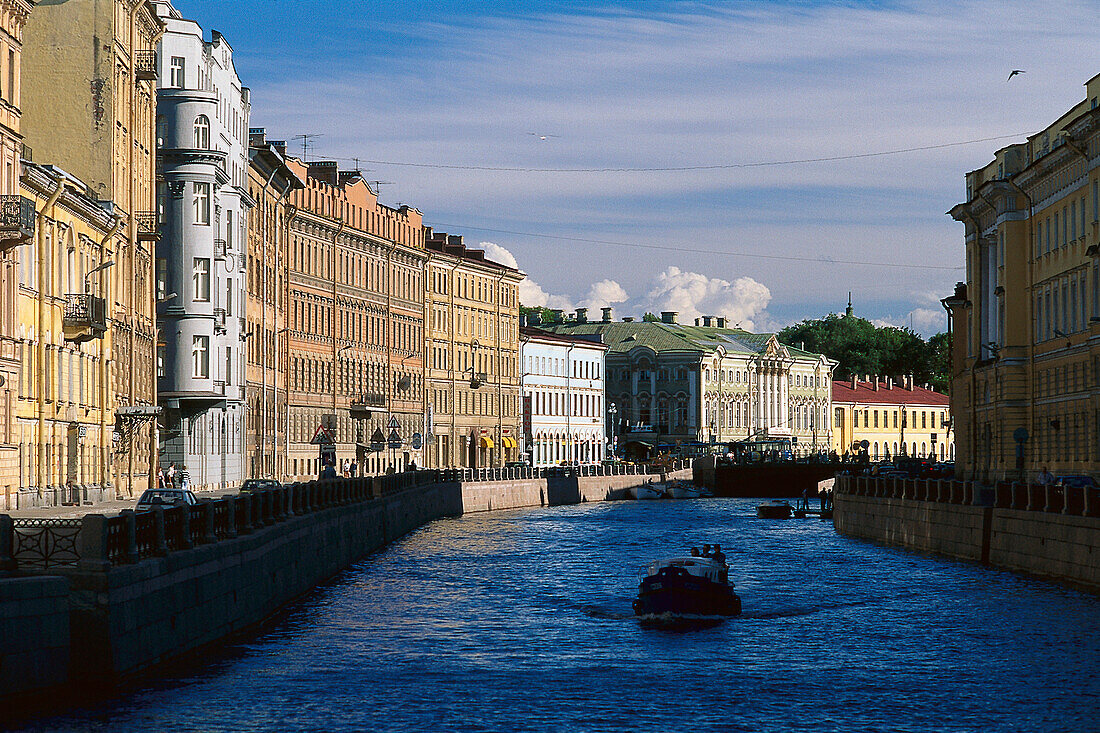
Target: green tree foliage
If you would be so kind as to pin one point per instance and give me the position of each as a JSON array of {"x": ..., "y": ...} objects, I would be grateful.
[
  {"x": 861, "y": 348},
  {"x": 545, "y": 314},
  {"x": 650, "y": 318}
]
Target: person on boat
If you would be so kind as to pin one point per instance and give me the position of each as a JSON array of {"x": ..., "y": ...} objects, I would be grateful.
[
  {"x": 695, "y": 552},
  {"x": 718, "y": 555}
]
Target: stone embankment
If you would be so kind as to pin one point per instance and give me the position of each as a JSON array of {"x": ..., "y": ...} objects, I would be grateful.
[
  {"x": 100, "y": 599},
  {"x": 1046, "y": 531}
]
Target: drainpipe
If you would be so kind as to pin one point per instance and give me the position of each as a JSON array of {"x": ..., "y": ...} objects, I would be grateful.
[
  {"x": 105, "y": 476},
  {"x": 500, "y": 373},
  {"x": 275, "y": 473},
  {"x": 261, "y": 443},
  {"x": 452, "y": 328},
  {"x": 292, "y": 214},
  {"x": 335, "y": 331},
  {"x": 1031, "y": 326},
  {"x": 42, "y": 469}
]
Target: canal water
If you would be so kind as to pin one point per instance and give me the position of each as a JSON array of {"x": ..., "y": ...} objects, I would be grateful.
[{"x": 521, "y": 621}]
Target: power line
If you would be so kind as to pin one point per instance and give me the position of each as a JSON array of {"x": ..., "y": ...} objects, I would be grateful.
[
  {"x": 683, "y": 168},
  {"x": 698, "y": 250}
]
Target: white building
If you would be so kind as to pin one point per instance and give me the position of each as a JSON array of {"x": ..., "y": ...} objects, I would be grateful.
[
  {"x": 564, "y": 414},
  {"x": 202, "y": 200}
]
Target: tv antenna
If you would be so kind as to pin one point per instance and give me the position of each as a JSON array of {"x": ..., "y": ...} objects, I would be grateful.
[
  {"x": 307, "y": 141},
  {"x": 378, "y": 187}
]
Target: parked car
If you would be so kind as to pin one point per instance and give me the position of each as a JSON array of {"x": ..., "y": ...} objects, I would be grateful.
[
  {"x": 258, "y": 484},
  {"x": 1076, "y": 482},
  {"x": 164, "y": 497}
]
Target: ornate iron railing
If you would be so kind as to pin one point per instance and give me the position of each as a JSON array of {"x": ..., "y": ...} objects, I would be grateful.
[
  {"x": 45, "y": 543},
  {"x": 16, "y": 219},
  {"x": 145, "y": 65}
]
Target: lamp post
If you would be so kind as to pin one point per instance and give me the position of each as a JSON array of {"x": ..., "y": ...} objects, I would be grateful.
[
  {"x": 611, "y": 410},
  {"x": 94, "y": 270}
]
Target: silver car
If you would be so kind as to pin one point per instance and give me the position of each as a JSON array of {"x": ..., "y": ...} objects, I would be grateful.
[{"x": 164, "y": 497}]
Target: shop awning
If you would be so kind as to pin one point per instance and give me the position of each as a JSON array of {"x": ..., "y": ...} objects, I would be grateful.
[
  {"x": 508, "y": 442},
  {"x": 485, "y": 442}
]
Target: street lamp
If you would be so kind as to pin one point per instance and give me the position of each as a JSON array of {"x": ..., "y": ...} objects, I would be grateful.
[
  {"x": 611, "y": 410},
  {"x": 94, "y": 270}
]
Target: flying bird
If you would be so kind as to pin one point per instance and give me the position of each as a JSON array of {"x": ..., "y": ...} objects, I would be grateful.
[
  {"x": 1014, "y": 72},
  {"x": 542, "y": 137}
]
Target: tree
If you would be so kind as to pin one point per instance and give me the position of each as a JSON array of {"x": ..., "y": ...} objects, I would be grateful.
[
  {"x": 650, "y": 318},
  {"x": 861, "y": 348}
]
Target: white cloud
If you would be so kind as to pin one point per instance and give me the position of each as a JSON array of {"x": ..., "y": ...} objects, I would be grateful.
[
  {"x": 603, "y": 293},
  {"x": 693, "y": 294},
  {"x": 531, "y": 294},
  {"x": 499, "y": 254}
]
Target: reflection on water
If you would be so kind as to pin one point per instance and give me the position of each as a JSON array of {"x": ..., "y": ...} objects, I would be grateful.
[{"x": 522, "y": 621}]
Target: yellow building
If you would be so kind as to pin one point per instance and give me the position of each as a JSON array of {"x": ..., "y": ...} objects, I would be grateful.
[
  {"x": 472, "y": 355},
  {"x": 16, "y": 228},
  {"x": 895, "y": 418},
  {"x": 65, "y": 419},
  {"x": 1026, "y": 320},
  {"x": 88, "y": 92}
]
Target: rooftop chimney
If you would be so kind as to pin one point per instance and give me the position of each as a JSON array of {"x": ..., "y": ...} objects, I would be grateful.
[
  {"x": 875, "y": 383},
  {"x": 257, "y": 137},
  {"x": 535, "y": 319},
  {"x": 669, "y": 316},
  {"x": 582, "y": 315},
  {"x": 522, "y": 320},
  {"x": 607, "y": 314},
  {"x": 557, "y": 316},
  {"x": 855, "y": 381},
  {"x": 628, "y": 319},
  {"x": 708, "y": 321},
  {"x": 720, "y": 321},
  {"x": 698, "y": 321},
  {"x": 324, "y": 170}
]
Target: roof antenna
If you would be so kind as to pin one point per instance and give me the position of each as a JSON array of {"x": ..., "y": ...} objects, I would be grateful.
[
  {"x": 307, "y": 141},
  {"x": 848, "y": 310},
  {"x": 378, "y": 187}
]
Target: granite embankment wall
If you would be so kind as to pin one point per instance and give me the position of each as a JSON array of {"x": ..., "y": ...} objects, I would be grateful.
[
  {"x": 117, "y": 597},
  {"x": 1048, "y": 532}
]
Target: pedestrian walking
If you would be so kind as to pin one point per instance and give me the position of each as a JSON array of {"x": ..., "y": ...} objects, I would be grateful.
[
  {"x": 1046, "y": 478},
  {"x": 184, "y": 478},
  {"x": 171, "y": 475},
  {"x": 162, "y": 479}
]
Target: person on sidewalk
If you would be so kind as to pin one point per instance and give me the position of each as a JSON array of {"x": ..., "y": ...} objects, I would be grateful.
[
  {"x": 171, "y": 475},
  {"x": 185, "y": 478},
  {"x": 1046, "y": 478}
]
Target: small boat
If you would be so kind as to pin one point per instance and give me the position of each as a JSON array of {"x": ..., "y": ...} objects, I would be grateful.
[
  {"x": 647, "y": 491},
  {"x": 694, "y": 587},
  {"x": 681, "y": 490},
  {"x": 775, "y": 510}
]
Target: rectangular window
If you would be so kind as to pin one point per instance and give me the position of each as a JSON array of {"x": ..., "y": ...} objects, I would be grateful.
[
  {"x": 13, "y": 65},
  {"x": 201, "y": 204},
  {"x": 160, "y": 359},
  {"x": 176, "y": 76},
  {"x": 162, "y": 278},
  {"x": 876, "y": 418},
  {"x": 229, "y": 365},
  {"x": 200, "y": 279},
  {"x": 200, "y": 357}
]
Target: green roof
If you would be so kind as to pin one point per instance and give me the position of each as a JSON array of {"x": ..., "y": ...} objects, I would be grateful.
[{"x": 622, "y": 336}]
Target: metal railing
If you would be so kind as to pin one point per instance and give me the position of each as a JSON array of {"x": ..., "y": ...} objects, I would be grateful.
[
  {"x": 219, "y": 249},
  {"x": 16, "y": 219},
  {"x": 1078, "y": 501},
  {"x": 145, "y": 65},
  {"x": 97, "y": 543},
  {"x": 148, "y": 228}
]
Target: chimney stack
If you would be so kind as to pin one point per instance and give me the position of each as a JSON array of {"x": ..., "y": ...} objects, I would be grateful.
[
  {"x": 698, "y": 321},
  {"x": 557, "y": 316},
  {"x": 535, "y": 319},
  {"x": 628, "y": 319},
  {"x": 855, "y": 381},
  {"x": 875, "y": 382},
  {"x": 721, "y": 321},
  {"x": 582, "y": 315},
  {"x": 708, "y": 321},
  {"x": 522, "y": 321},
  {"x": 607, "y": 314},
  {"x": 668, "y": 316}
]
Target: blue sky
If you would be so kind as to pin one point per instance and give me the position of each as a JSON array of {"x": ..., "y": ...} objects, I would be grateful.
[{"x": 663, "y": 84}]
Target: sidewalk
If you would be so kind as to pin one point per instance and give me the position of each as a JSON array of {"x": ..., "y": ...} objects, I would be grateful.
[{"x": 108, "y": 508}]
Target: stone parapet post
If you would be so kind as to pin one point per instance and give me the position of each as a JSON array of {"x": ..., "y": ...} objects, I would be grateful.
[
  {"x": 93, "y": 544},
  {"x": 7, "y": 543},
  {"x": 208, "y": 533},
  {"x": 130, "y": 522},
  {"x": 231, "y": 516}
]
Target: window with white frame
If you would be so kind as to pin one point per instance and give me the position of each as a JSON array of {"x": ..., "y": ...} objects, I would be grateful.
[
  {"x": 176, "y": 77},
  {"x": 200, "y": 357},
  {"x": 202, "y": 203},
  {"x": 200, "y": 278},
  {"x": 202, "y": 132}
]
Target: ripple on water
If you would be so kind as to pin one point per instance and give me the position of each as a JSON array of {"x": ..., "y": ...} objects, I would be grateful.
[{"x": 521, "y": 621}]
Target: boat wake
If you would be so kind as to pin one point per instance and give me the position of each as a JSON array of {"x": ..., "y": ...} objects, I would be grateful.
[{"x": 800, "y": 611}]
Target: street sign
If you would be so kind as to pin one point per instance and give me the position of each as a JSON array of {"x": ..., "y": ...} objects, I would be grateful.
[
  {"x": 394, "y": 439},
  {"x": 417, "y": 441},
  {"x": 322, "y": 437},
  {"x": 394, "y": 424}
]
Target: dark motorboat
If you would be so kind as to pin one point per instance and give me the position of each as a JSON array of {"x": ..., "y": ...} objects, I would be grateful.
[
  {"x": 775, "y": 510},
  {"x": 688, "y": 587}
]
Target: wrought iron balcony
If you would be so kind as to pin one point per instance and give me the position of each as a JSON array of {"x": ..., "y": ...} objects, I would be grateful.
[
  {"x": 219, "y": 319},
  {"x": 219, "y": 386},
  {"x": 145, "y": 65},
  {"x": 148, "y": 228},
  {"x": 16, "y": 220},
  {"x": 84, "y": 318},
  {"x": 219, "y": 249}
]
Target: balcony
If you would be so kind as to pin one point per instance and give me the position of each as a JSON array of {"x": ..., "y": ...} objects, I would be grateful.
[
  {"x": 145, "y": 65},
  {"x": 219, "y": 320},
  {"x": 360, "y": 407},
  {"x": 16, "y": 221},
  {"x": 148, "y": 228},
  {"x": 219, "y": 386},
  {"x": 219, "y": 249},
  {"x": 84, "y": 318}
]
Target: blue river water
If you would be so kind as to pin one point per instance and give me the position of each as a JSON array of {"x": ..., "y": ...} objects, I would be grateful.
[{"x": 521, "y": 621}]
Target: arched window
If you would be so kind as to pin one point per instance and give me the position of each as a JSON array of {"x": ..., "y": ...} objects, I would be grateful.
[{"x": 202, "y": 132}]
